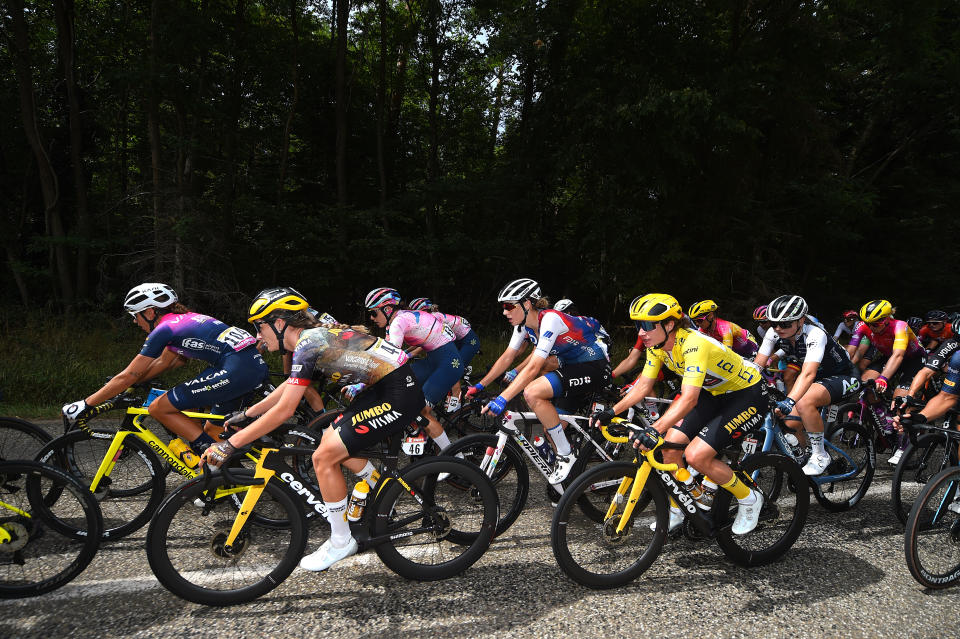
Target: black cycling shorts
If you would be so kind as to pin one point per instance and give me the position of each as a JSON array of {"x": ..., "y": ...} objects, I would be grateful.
[
  {"x": 572, "y": 382},
  {"x": 910, "y": 365},
  {"x": 381, "y": 410},
  {"x": 839, "y": 386},
  {"x": 720, "y": 419}
]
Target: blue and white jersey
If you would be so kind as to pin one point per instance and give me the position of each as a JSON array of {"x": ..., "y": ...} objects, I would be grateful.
[{"x": 572, "y": 338}]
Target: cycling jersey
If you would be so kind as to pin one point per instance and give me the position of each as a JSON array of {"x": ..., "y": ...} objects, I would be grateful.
[
  {"x": 458, "y": 325},
  {"x": 895, "y": 336},
  {"x": 842, "y": 329},
  {"x": 732, "y": 336},
  {"x": 343, "y": 355},
  {"x": 810, "y": 344},
  {"x": 951, "y": 383},
  {"x": 704, "y": 362},
  {"x": 925, "y": 334},
  {"x": 572, "y": 338},
  {"x": 937, "y": 359},
  {"x": 196, "y": 336},
  {"x": 418, "y": 328}
]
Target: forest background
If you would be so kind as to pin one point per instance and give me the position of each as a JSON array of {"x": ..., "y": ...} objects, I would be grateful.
[{"x": 732, "y": 149}]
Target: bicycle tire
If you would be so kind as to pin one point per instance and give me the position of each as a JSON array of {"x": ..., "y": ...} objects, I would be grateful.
[
  {"x": 932, "y": 539},
  {"x": 510, "y": 478},
  {"x": 185, "y": 544},
  {"x": 775, "y": 533},
  {"x": 854, "y": 439},
  {"x": 124, "y": 511},
  {"x": 594, "y": 554},
  {"x": 470, "y": 518},
  {"x": 919, "y": 463},
  {"x": 20, "y": 439},
  {"x": 589, "y": 457},
  {"x": 38, "y": 558}
]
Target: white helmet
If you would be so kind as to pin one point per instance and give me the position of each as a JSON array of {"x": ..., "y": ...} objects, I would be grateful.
[
  {"x": 519, "y": 290},
  {"x": 149, "y": 295},
  {"x": 563, "y": 304},
  {"x": 786, "y": 308}
]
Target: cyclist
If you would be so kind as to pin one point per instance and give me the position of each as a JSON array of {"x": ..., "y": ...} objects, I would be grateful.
[
  {"x": 174, "y": 335},
  {"x": 436, "y": 372},
  {"x": 583, "y": 366},
  {"x": 846, "y": 326},
  {"x": 565, "y": 305},
  {"x": 386, "y": 397},
  {"x": 704, "y": 315},
  {"x": 826, "y": 373},
  {"x": 705, "y": 421},
  {"x": 467, "y": 341},
  {"x": 936, "y": 328},
  {"x": 763, "y": 324},
  {"x": 936, "y": 361}
]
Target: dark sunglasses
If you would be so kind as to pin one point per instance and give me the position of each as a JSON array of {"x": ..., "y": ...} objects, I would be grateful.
[
  {"x": 783, "y": 324},
  {"x": 646, "y": 325},
  {"x": 878, "y": 324},
  {"x": 700, "y": 320},
  {"x": 373, "y": 312},
  {"x": 507, "y": 306},
  {"x": 259, "y": 323}
]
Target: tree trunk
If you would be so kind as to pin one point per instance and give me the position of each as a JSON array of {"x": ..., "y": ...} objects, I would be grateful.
[
  {"x": 497, "y": 108},
  {"x": 66, "y": 41},
  {"x": 49, "y": 185},
  {"x": 153, "y": 125},
  {"x": 285, "y": 146},
  {"x": 343, "y": 15}
]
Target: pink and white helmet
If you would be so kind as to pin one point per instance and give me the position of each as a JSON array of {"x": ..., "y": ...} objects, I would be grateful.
[{"x": 380, "y": 297}]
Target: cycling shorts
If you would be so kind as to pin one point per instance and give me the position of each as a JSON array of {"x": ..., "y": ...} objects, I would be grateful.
[
  {"x": 839, "y": 386},
  {"x": 438, "y": 372},
  {"x": 910, "y": 365},
  {"x": 572, "y": 382},
  {"x": 380, "y": 410},
  {"x": 720, "y": 419},
  {"x": 468, "y": 345},
  {"x": 224, "y": 386}
]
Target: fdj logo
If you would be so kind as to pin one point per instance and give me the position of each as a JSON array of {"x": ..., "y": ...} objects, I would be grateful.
[{"x": 580, "y": 381}]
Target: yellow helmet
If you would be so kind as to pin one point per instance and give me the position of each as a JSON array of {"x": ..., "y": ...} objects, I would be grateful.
[
  {"x": 702, "y": 308},
  {"x": 875, "y": 311},
  {"x": 282, "y": 301},
  {"x": 655, "y": 307}
]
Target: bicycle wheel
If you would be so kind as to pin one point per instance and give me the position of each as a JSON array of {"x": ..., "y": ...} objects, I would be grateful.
[
  {"x": 595, "y": 554},
  {"x": 444, "y": 535},
  {"x": 36, "y": 557},
  {"x": 594, "y": 504},
  {"x": 932, "y": 540},
  {"x": 854, "y": 453},
  {"x": 510, "y": 478},
  {"x": 125, "y": 510},
  {"x": 919, "y": 463},
  {"x": 782, "y": 516},
  {"x": 187, "y": 552},
  {"x": 19, "y": 439}
]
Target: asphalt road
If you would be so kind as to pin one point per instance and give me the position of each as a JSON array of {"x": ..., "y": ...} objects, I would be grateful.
[{"x": 845, "y": 577}]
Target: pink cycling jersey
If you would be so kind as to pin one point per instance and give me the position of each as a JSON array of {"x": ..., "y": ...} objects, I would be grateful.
[
  {"x": 418, "y": 328},
  {"x": 459, "y": 325},
  {"x": 731, "y": 335},
  {"x": 895, "y": 336}
]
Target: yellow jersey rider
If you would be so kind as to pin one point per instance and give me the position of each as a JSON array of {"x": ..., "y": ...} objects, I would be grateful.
[{"x": 718, "y": 390}]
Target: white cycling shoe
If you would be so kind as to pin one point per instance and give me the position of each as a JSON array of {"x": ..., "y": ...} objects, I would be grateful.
[
  {"x": 676, "y": 518},
  {"x": 817, "y": 463},
  {"x": 747, "y": 515},
  {"x": 327, "y": 555},
  {"x": 955, "y": 506},
  {"x": 564, "y": 466}
]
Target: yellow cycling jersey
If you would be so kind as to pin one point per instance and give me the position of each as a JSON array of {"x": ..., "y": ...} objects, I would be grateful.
[{"x": 702, "y": 361}]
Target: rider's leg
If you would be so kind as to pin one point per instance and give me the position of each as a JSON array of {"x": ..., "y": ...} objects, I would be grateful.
[
  {"x": 164, "y": 412},
  {"x": 333, "y": 488},
  {"x": 816, "y": 397},
  {"x": 538, "y": 395}
]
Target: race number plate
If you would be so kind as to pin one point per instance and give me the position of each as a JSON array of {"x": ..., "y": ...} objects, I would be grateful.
[
  {"x": 414, "y": 445},
  {"x": 750, "y": 445}
]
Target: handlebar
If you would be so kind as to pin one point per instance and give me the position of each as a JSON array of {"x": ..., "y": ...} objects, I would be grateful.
[{"x": 648, "y": 454}]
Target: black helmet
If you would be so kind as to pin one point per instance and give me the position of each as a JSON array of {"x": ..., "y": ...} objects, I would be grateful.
[
  {"x": 914, "y": 323},
  {"x": 936, "y": 316}
]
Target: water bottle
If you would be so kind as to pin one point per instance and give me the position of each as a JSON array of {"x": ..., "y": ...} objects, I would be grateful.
[
  {"x": 709, "y": 492},
  {"x": 652, "y": 408},
  {"x": 453, "y": 403},
  {"x": 358, "y": 500},
  {"x": 545, "y": 449},
  {"x": 794, "y": 444},
  {"x": 692, "y": 488},
  {"x": 182, "y": 450}
]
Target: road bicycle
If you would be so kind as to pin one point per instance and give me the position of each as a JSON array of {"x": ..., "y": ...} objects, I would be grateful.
[
  {"x": 37, "y": 552},
  {"x": 421, "y": 527},
  {"x": 931, "y": 449},
  {"x": 932, "y": 538},
  {"x": 635, "y": 498},
  {"x": 20, "y": 439},
  {"x": 501, "y": 457},
  {"x": 126, "y": 467},
  {"x": 849, "y": 445}
]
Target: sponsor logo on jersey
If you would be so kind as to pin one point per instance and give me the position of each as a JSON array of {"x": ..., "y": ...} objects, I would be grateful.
[
  {"x": 580, "y": 381},
  {"x": 296, "y": 368}
]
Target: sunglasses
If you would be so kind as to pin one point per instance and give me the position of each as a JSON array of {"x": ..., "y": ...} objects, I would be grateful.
[
  {"x": 646, "y": 325},
  {"x": 783, "y": 324},
  {"x": 259, "y": 325},
  {"x": 373, "y": 313},
  {"x": 700, "y": 320},
  {"x": 508, "y": 306},
  {"x": 878, "y": 324}
]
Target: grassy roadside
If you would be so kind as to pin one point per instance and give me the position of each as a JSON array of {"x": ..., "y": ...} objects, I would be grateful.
[{"x": 47, "y": 361}]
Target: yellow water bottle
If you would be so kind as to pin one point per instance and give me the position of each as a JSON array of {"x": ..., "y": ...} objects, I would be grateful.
[
  {"x": 358, "y": 500},
  {"x": 182, "y": 450}
]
